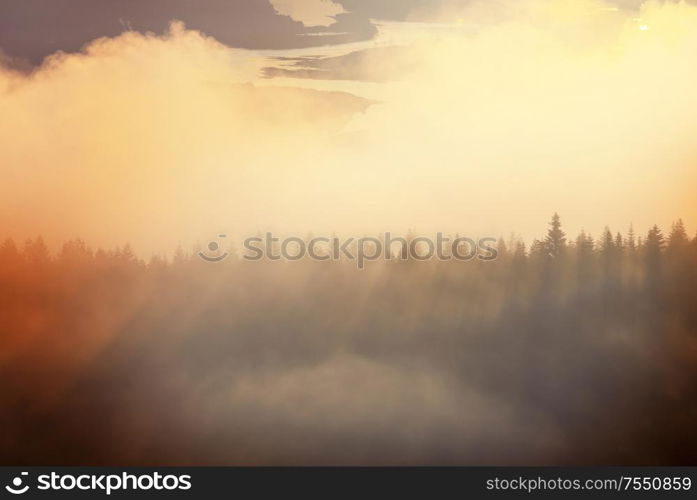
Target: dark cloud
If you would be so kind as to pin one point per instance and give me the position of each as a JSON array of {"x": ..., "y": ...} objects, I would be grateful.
[
  {"x": 423, "y": 10},
  {"x": 386, "y": 9},
  {"x": 33, "y": 29},
  {"x": 348, "y": 27},
  {"x": 381, "y": 64},
  {"x": 13, "y": 63}
]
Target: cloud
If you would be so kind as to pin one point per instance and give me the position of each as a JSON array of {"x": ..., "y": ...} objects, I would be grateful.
[
  {"x": 543, "y": 109},
  {"x": 380, "y": 64},
  {"x": 101, "y": 142},
  {"x": 309, "y": 12},
  {"x": 34, "y": 29},
  {"x": 165, "y": 139},
  {"x": 449, "y": 10}
]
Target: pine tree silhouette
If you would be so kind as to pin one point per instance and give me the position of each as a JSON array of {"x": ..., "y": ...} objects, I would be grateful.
[{"x": 555, "y": 241}]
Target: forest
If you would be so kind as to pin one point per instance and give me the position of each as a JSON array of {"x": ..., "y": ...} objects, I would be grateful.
[{"x": 565, "y": 351}]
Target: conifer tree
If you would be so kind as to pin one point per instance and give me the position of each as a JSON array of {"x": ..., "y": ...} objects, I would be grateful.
[{"x": 555, "y": 241}]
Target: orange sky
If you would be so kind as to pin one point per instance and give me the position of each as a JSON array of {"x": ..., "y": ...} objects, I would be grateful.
[{"x": 484, "y": 121}]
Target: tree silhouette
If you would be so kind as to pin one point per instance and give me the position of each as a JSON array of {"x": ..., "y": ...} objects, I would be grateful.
[
  {"x": 596, "y": 337},
  {"x": 555, "y": 241},
  {"x": 654, "y": 243},
  {"x": 678, "y": 239}
]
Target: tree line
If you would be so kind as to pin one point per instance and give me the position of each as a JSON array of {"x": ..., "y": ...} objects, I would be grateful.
[{"x": 569, "y": 351}]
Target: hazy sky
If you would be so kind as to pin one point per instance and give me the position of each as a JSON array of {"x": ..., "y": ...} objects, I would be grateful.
[{"x": 350, "y": 116}]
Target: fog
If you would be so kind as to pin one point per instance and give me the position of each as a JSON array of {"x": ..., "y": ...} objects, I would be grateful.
[
  {"x": 481, "y": 125},
  {"x": 477, "y": 119},
  {"x": 576, "y": 353}
]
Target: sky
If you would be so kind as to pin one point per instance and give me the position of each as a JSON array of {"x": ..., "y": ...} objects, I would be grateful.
[{"x": 166, "y": 122}]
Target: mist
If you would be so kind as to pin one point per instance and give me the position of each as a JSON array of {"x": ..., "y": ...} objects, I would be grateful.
[
  {"x": 501, "y": 117},
  {"x": 571, "y": 352},
  {"x": 120, "y": 161}
]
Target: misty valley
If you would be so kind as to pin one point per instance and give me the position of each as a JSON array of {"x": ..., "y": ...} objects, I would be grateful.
[{"x": 560, "y": 352}]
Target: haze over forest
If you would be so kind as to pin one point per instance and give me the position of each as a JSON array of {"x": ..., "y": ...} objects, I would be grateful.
[
  {"x": 575, "y": 351},
  {"x": 456, "y": 116},
  {"x": 134, "y": 133}
]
